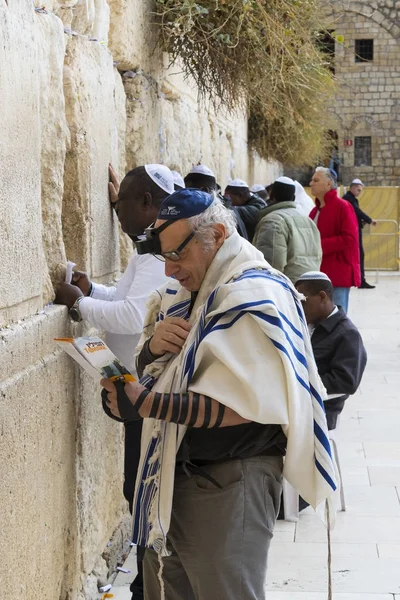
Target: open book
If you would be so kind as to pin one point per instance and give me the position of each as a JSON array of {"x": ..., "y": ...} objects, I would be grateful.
[{"x": 95, "y": 358}]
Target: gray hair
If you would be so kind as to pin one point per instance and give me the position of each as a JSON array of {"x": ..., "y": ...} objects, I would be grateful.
[
  {"x": 216, "y": 213},
  {"x": 329, "y": 175}
]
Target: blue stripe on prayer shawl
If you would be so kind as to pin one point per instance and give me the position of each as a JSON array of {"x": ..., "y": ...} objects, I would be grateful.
[
  {"x": 292, "y": 327},
  {"x": 169, "y": 291},
  {"x": 254, "y": 273},
  {"x": 145, "y": 473},
  {"x": 189, "y": 366},
  {"x": 299, "y": 379},
  {"x": 320, "y": 435},
  {"x": 317, "y": 397},
  {"x": 275, "y": 321},
  {"x": 276, "y": 344},
  {"x": 178, "y": 306},
  {"x": 325, "y": 475}
]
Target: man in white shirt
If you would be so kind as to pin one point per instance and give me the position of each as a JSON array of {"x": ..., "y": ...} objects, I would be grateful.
[{"x": 120, "y": 310}]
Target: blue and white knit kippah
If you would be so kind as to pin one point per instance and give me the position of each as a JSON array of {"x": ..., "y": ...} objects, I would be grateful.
[{"x": 313, "y": 276}]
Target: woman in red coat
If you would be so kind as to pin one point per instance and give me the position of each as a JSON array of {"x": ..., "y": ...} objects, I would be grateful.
[{"x": 337, "y": 224}]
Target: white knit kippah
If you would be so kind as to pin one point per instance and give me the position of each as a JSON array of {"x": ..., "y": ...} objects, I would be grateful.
[
  {"x": 313, "y": 276},
  {"x": 238, "y": 183},
  {"x": 286, "y": 180},
  {"x": 257, "y": 187},
  {"x": 356, "y": 182},
  {"x": 162, "y": 176},
  {"x": 202, "y": 170},
  {"x": 178, "y": 179}
]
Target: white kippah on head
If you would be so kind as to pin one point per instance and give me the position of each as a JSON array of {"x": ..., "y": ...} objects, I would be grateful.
[
  {"x": 162, "y": 176},
  {"x": 257, "y": 187},
  {"x": 313, "y": 276},
  {"x": 178, "y": 179},
  {"x": 356, "y": 182},
  {"x": 238, "y": 183},
  {"x": 202, "y": 170},
  {"x": 286, "y": 180}
]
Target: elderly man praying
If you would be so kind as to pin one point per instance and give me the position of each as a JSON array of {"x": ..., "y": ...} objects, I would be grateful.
[{"x": 228, "y": 385}]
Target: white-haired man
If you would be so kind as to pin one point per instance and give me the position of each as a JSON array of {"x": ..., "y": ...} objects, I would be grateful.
[
  {"x": 226, "y": 358},
  {"x": 352, "y": 196},
  {"x": 338, "y": 227}
]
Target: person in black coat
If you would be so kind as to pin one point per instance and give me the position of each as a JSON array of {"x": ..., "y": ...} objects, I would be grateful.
[
  {"x": 202, "y": 178},
  {"x": 246, "y": 204},
  {"x": 352, "y": 196},
  {"x": 336, "y": 342}
]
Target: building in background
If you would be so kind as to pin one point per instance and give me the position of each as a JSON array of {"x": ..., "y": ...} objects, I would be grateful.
[
  {"x": 365, "y": 48},
  {"x": 366, "y": 110}
]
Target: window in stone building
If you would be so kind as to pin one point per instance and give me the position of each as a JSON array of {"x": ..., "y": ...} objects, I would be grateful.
[
  {"x": 362, "y": 151},
  {"x": 364, "y": 50},
  {"x": 326, "y": 43}
]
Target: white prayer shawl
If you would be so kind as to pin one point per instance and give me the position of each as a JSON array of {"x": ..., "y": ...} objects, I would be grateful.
[{"x": 248, "y": 348}]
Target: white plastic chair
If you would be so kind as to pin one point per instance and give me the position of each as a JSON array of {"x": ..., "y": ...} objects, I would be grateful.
[{"x": 290, "y": 496}]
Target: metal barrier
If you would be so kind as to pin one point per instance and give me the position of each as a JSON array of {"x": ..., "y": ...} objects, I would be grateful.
[{"x": 381, "y": 246}]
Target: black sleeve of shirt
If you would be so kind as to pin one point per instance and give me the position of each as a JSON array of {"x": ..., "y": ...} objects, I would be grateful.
[
  {"x": 346, "y": 365},
  {"x": 361, "y": 215},
  {"x": 145, "y": 358}
]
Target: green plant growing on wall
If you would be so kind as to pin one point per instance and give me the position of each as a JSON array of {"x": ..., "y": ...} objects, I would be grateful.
[{"x": 263, "y": 53}]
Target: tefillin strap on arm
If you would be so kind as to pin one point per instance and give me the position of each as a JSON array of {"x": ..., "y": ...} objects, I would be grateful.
[
  {"x": 189, "y": 408},
  {"x": 127, "y": 410}
]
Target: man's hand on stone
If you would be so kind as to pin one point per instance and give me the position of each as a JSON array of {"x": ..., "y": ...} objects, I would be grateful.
[
  {"x": 113, "y": 186},
  {"x": 67, "y": 294},
  {"x": 373, "y": 222},
  {"x": 170, "y": 336},
  {"x": 82, "y": 281}
]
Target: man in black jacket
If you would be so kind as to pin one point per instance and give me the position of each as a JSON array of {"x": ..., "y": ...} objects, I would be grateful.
[
  {"x": 352, "y": 196},
  {"x": 337, "y": 344},
  {"x": 247, "y": 205},
  {"x": 202, "y": 178}
]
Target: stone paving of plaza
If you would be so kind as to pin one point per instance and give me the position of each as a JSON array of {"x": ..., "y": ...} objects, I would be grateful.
[{"x": 366, "y": 540}]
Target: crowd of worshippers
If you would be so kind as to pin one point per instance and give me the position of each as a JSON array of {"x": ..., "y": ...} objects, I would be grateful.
[{"x": 232, "y": 311}]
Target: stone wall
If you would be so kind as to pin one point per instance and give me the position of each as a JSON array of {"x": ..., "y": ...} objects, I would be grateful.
[
  {"x": 367, "y": 102},
  {"x": 82, "y": 83}
]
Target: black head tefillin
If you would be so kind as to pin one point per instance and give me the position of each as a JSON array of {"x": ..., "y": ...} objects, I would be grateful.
[{"x": 151, "y": 243}]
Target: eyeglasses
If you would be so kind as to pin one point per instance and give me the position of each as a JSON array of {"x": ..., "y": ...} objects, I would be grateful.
[{"x": 175, "y": 255}]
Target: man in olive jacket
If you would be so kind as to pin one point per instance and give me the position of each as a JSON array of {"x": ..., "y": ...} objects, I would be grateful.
[{"x": 289, "y": 240}]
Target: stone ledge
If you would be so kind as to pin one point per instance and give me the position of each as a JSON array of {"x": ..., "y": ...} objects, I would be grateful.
[{"x": 26, "y": 343}]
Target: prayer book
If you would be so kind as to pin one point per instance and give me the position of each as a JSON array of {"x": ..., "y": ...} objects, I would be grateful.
[{"x": 92, "y": 354}]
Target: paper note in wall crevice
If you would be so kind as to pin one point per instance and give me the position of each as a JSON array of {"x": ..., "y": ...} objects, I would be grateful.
[
  {"x": 69, "y": 271},
  {"x": 92, "y": 354}
]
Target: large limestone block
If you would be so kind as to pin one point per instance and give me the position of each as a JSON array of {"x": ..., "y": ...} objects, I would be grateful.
[
  {"x": 133, "y": 35},
  {"x": 89, "y": 223},
  {"x": 20, "y": 211},
  {"x": 99, "y": 475},
  {"x": 62, "y": 458},
  {"x": 143, "y": 113},
  {"x": 193, "y": 130},
  {"x": 118, "y": 149},
  {"x": 54, "y": 134},
  {"x": 91, "y": 18},
  {"x": 37, "y": 453}
]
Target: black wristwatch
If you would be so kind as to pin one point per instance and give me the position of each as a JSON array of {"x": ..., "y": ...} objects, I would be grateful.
[{"x": 74, "y": 311}]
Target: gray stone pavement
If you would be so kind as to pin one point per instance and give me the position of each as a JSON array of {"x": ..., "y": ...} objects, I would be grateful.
[{"x": 366, "y": 539}]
